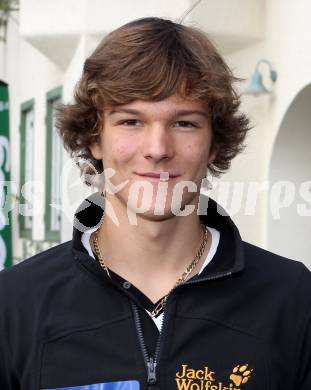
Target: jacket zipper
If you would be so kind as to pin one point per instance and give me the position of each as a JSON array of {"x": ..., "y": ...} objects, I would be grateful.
[{"x": 151, "y": 362}]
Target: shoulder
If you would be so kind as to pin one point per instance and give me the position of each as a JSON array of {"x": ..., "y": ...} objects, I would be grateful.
[
  {"x": 262, "y": 257},
  {"x": 37, "y": 269},
  {"x": 276, "y": 269}
]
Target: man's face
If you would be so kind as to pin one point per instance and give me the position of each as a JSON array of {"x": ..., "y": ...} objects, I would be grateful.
[{"x": 172, "y": 135}]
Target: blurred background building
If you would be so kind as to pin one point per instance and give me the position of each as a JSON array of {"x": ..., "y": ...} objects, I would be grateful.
[{"x": 42, "y": 50}]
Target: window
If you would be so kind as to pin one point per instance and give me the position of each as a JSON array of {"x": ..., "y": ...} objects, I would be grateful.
[
  {"x": 26, "y": 167},
  {"x": 53, "y": 168}
]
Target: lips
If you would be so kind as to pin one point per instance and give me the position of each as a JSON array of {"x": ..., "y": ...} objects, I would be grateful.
[{"x": 156, "y": 175}]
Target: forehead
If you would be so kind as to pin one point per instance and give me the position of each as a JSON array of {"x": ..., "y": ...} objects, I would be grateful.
[{"x": 169, "y": 106}]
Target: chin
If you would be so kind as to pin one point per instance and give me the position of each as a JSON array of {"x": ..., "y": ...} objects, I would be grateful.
[{"x": 159, "y": 212}]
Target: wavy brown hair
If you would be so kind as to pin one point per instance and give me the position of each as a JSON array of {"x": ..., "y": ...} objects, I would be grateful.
[{"x": 151, "y": 59}]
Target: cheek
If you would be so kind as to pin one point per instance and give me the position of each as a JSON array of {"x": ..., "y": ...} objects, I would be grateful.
[
  {"x": 196, "y": 153},
  {"x": 121, "y": 151}
]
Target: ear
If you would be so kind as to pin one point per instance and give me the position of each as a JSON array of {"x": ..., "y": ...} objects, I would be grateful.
[
  {"x": 212, "y": 155},
  {"x": 96, "y": 150}
]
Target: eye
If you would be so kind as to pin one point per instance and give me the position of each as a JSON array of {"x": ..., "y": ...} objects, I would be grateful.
[
  {"x": 186, "y": 124},
  {"x": 129, "y": 122}
]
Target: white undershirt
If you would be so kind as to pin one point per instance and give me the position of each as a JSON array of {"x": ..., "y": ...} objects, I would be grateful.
[{"x": 215, "y": 241}]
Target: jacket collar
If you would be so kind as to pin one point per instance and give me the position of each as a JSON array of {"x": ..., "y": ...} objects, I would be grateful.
[{"x": 229, "y": 256}]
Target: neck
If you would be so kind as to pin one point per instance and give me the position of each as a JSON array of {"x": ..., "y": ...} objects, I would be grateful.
[{"x": 151, "y": 250}]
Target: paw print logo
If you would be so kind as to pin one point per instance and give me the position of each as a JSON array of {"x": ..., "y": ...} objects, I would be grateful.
[{"x": 240, "y": 375}]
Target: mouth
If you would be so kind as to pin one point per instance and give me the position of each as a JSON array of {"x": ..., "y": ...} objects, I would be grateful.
[{"x": 155, "y": 176}]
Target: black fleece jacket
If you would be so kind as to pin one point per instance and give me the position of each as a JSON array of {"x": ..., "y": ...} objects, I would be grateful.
[{"x": 243, "y": 323}]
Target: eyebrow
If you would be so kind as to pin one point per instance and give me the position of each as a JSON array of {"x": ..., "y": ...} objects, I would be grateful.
[{"x": 176, "y": 113}]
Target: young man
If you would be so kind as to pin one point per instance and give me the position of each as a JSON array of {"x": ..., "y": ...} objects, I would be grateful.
[{"x": 156, "y": 289}]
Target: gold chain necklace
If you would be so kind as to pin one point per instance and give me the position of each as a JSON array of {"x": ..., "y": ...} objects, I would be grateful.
[
  {"x": 180, "y": 280},
  {"x": 98, "y": 253}
]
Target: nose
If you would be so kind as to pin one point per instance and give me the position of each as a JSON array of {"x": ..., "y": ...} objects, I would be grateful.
[{"x": 158, "y": 143}]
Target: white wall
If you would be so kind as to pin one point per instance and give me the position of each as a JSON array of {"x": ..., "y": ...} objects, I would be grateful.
[
  {"x": 29, "y": 75},
  {"x": 287, "y": 43},
  {"x": 289, "y": 229}
]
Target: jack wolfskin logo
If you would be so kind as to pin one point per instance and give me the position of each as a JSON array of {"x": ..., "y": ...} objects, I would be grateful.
[
  {"x": 240, "y": 374},
  {"x": 205, "y": 379}
]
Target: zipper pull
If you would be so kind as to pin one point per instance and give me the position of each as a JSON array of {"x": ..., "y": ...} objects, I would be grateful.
[{"x": 151, "y": 364}]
